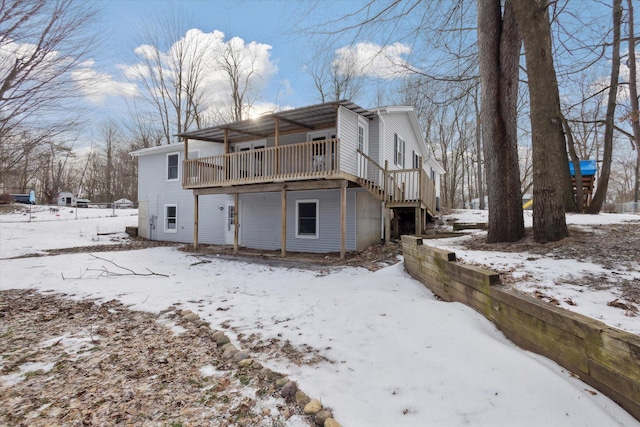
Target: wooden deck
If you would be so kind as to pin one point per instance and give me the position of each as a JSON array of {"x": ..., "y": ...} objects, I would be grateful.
[
  {"x": 295, "y": 162},
  {"x": 308, "y": 161}
]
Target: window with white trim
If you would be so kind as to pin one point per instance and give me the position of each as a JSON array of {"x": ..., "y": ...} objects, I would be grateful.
[
  {"x": 398, "y": 150},
  {"x": 416, "y": 160},
  {"x": 170, "y": 218},
  {"x": 173, "y": 161},
  {"x": 307, "y": 219}
]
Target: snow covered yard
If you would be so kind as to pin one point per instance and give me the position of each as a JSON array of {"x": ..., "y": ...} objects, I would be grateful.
[
  {"x": 376, "y": 347},
  {"x": 595, "y": 272}
]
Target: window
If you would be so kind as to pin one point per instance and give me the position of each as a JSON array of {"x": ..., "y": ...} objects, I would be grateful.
[
  {"x": 398, "y": 150},
  {"x": 171, "y": 218},
  {"x": 416, "y": 161},
  {"x": 361, "y": 138},
  {"x": 172, "y": 166},
  {"x": 307, "y": 219}
]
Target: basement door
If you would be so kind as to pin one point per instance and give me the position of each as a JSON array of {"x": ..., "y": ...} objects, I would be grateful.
[
  {"x": 230, "y": 222},
  {"x": 363, "y": 145}
]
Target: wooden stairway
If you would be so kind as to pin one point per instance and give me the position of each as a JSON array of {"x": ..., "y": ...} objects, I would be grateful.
[{"x": 373, "y": 170}]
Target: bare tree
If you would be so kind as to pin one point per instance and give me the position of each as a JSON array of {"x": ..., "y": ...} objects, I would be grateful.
[
  {"x": 110, "y": 137},
  {"x": 601, "y": 191},
  {"x": 334, "y": 77},
  {"x": 499, "y": 49},
  {"x": 42, "y": 43},
  {"x": 172, "y": 78},
  {"x": 550, "y": 171},
  {"x": 634, "y": 115},
  {"x": 239, "y": 66}
]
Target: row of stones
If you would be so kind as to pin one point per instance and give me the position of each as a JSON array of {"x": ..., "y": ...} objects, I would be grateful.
[{"x": 288, "y": 389}]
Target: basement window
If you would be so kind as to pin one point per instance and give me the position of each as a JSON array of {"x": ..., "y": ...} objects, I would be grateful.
[
  {"x": 171, "y": 218},
  {"x": 307, "y": 219}
]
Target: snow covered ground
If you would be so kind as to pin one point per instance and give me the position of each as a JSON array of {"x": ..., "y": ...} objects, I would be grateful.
[
  {"x": 546, "y": 274},
  {"x": 399, "y": 356}
]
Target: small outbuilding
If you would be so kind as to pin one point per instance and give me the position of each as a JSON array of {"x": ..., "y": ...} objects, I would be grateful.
[{"x": 65, "y": 198}]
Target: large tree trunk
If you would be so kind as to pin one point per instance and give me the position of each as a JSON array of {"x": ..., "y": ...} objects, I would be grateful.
[
  {"x": 499, "y": 48},
  {"x": 550, "y": 161},
  {"x": 633, "y": 95},
  {"x": 607, "y": 155}
]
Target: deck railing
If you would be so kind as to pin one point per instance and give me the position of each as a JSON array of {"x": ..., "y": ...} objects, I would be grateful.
[
  {"x": 411, "y": 186},
  {"x": 306, "y": 160},
  {"x": 403, "y": 186}
]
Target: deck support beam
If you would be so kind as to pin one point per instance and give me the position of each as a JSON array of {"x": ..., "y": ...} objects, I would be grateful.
[
  {"x": 277, "y": 144},
  {"x": 387, "y": 225},
  {"x": 343, "y": 219},
  {"x": 418, "y": 220},
  {"x": 283, "y": 214},
  {"x": 236, "y": 222},
  {"x": 195, "y": 222}
]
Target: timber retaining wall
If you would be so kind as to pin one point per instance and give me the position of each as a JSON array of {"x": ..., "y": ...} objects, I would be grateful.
[{"x": 604, "y": 357}]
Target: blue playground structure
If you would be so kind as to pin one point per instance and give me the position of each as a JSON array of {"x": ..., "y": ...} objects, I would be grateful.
[{"x": 588, "y": 172}]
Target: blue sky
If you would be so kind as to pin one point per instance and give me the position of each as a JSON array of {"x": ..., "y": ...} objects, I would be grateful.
[
  {"x": 287, "y": 33},
  {"x": 274, "y": 23}
]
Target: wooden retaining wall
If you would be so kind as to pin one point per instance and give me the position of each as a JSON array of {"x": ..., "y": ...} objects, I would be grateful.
[{"x": 606, "y": 358}]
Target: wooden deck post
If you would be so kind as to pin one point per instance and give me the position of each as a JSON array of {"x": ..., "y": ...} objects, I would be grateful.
[
  {"x": 226, "y": 166},
  {"x": 343, "y": 218},
  {"x": 387, "y": 225},
  {"x": 236, "y": 223},
  {"x": 418, "y": 220},
  {"x": 277, "y": 144},
  {"x": 195, "y": 222},
  {"x": 385, "y": 178},
  {"x": 184, "y": 161},
  {"x": 283, "y": 214}
]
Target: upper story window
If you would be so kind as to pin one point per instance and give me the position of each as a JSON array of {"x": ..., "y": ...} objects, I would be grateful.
[
  {"x": 398, "y": 150},
  {"x": 416, "y": 161},
  {"x": 172, "y": 166},
  {"x": 361, "y": 138}
]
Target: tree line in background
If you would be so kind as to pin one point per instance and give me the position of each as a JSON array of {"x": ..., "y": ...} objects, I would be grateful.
[
  {"x": 510, "y": 91},
  {"x": 472, "y": 87}
]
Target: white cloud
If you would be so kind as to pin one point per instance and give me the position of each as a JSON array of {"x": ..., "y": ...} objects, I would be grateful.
[
  {"x": 201, "y": 53},
  {"x": 96, "y": 86},
  {"x": 373, "y": 60}
]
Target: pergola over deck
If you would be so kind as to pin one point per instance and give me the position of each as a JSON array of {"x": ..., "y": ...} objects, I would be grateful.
[{"x": 274, "y": 125}]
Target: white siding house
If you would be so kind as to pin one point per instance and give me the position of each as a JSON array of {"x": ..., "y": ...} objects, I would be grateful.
[{"x": 324, "y": 178}]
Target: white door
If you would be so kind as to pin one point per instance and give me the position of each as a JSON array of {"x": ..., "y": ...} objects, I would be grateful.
[
  {"x": 230, "y": 222},
  {"x": 250, "y": 164},
  {"x": 363, "y": 145}
]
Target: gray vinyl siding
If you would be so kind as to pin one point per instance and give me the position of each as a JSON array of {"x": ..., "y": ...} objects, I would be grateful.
[
  {"x": 157, "y": 192},
  {"x": 399, "y": 123},
  {"x": 374, "y": 140},
  {"x": 260, "y": 224},
  {"x": 348, "y": 134},
  {"x": 294, "y": 138},
  {"x": 211, "y": 219}
]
